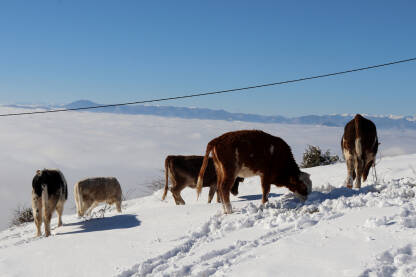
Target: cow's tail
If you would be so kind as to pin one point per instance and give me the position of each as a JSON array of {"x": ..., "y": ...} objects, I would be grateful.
[
  {"x": 358, "y": 146},
  {"x": 64, "y": 194},
  {"x": 166, "y": 177},
  {"x": 77, "y": 197},
  {"x": 199, "y": 184},
  {"x": 44, "y": 200}
]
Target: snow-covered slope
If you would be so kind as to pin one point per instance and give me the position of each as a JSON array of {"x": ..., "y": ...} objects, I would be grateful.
[{"x": 336, "y": 232}]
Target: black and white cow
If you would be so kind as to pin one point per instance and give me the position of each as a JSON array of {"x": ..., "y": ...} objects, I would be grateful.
[{"x": 49, "y": 193}]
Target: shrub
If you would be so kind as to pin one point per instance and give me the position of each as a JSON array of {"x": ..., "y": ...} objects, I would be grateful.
[
  {"x": 156, "y": 184},
  {"x": 313, "y": 156},
  {"x": 100, "y": 213},
  {"x": 21, "y": 215}
]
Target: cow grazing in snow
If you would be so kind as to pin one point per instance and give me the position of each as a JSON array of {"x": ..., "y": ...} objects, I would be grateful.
[
  {"x": 91, "y": 191},
  {"x": 49, "y": 192},
  {"x": 183, "y": 172},
  {"x": 359, "y": 146},
  {"x": 251, "y": 152}
]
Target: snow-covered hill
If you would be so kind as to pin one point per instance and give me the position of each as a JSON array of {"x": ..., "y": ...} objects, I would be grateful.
[{"x": 336, "y": 232}]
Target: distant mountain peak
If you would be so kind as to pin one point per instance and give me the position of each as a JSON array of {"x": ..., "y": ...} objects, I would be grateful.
[{"x": 80, "y": 104}]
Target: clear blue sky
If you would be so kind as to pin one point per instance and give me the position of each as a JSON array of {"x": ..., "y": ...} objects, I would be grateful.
[{"x": 116, "y": 51}]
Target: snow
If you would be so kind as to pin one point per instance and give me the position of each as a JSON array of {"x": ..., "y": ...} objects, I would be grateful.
[
  {"x": 336, "y": 232},
  {"x": 366, "y": 232}
]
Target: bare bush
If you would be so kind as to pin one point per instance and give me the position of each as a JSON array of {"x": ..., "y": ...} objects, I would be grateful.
[
  {"x": 21, "y": 215},
  {"x": 157, "y": 183},
  {"x": 313, "y": 156},
  {"x": 100, "y": 213}
]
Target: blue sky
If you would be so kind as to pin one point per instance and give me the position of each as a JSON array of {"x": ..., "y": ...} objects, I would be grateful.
[{"x": 119, "y": 51}]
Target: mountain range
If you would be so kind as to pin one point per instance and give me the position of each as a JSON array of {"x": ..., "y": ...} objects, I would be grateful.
[{"x": 337, "y": 120}]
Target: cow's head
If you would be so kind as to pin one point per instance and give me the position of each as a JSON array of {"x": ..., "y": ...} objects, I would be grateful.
[
  {"x": 234, "y": 189},
  {"x": 301, "y": 185}
]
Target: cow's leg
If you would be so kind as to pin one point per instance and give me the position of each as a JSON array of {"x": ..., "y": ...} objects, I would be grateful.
[
  {"x": 350, "y": 169},
  {"x": 37, "y": 212},
  {"x": 225, "y": 169},
  {"x": 212, "y": 190},
  {"x": 59, "y": 210},
  {"x": 368, "y": 164},
  {"x": 118, "y": 205},
  {"x": 178, "y": 184},
  {"x": 50, "y": 207},
  {"x": 47, "y": 215},
  {"x": 85, "y": 204},
  {"x": 359, "y": 167},
  {"x": 176, "y": 192},
  {"x": 234, "y": 189},
  {"x": 225, "y": 188},
  {"x": 220, "y": 181},
  {"x": 265, "y": 185}
]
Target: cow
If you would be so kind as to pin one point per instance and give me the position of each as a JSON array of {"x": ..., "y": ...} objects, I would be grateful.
[
  {"x": 183, "y": 172},
  {"x": 359, "y": 146},
  {"x": 90, "y": 192},
  {"x": 49, "y": 193},
  {"x": 248, "y": 153}
]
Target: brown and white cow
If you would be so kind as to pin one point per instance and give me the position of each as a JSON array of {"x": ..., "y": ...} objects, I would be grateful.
[
  {"x": 91, "y": 191},
  {"x": 252, "y": 152},
  {"x": 359, "y": 146},
  {"x": 183, "y": 172},
  {"x": 49, "y": 193}
]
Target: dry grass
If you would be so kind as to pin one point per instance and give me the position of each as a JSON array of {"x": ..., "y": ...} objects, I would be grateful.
[{"x": 21, "y": 215}]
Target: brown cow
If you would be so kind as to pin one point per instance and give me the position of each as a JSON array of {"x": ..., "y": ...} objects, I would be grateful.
[
  {"x": 359, "y": 146},
  {"x": 90, "y": 192},
  {"x": 251, "y": 152},
  {"x": 183, "y": 172}
]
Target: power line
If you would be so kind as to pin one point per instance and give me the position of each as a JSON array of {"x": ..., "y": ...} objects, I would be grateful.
[{"x": 209, "y": 93}]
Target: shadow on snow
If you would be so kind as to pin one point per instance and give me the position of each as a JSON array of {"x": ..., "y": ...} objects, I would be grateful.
[
  {"x": 289, "y": 201},
  {"x": 317, "y": 196},
  {"x": 255, "y": 197},
  {"x": 123, "y": 221}
]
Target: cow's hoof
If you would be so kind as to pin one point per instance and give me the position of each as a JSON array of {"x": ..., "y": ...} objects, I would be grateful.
[{"x": 227, "y": 208}]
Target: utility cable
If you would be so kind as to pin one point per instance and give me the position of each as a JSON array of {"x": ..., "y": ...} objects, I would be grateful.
[{"x": 210, "y": 93}]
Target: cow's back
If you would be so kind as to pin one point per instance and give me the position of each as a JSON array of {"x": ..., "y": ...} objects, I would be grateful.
[
  {"x": 259, "y": 151},
  {"x": 189, "y": 166},
  {"x": 100, "y": 188},
  {"x": 53, "y": 179},
  {"x": 365, "y": 131}
]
